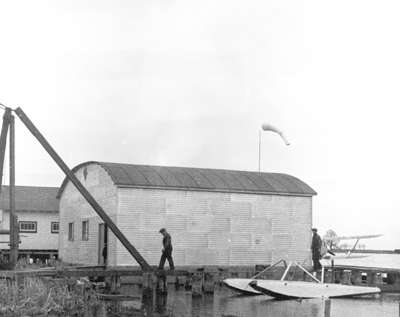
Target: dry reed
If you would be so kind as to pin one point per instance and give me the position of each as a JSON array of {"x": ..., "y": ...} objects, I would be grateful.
[{"x": 37, "y": 297}]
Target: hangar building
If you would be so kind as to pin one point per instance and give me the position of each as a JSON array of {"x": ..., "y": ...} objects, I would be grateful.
[{"x": 215, "y": 217}]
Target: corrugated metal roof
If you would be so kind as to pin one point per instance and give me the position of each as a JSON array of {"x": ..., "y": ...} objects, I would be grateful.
[
  {"x": 146, "y": 176},
  {"x": 31, "y": 198}
]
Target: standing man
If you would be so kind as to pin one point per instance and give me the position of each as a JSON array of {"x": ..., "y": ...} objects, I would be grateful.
[
  {"x": 104, "y": 253},
  {"x": 166, "y": 251},
  {"x": 316, "y": 250}
]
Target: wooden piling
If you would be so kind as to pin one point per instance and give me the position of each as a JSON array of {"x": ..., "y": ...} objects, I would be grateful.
[
  {"x": 370, "y": 278},
  {"x": 177, "y": 283},
  {"x": 376, "y": 278},
  {"x": 209, "y": 282},
  {"x": 148, "y": 281},
  {"x": 161, "y": 282},
  {"x": 346, "y": 277},
  {"x": 197, "y": 283},
  {"x": 115, "y": 284},
  {"x": 328, "y": 276},
  {"x": 188, "y": 282},
  {"x": 356, "y": 277},
  {"x": 326, "y": 307},
  {"x": 337, "y": 274},
  {"x": 222, "y": 275}
]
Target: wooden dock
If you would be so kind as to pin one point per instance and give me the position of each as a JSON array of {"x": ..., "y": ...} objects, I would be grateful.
[{"x": 204, "y": 279}]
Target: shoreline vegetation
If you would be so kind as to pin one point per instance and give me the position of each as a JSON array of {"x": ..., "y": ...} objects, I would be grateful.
[
  {"x": 34, "y": 296},
  {"x": 61, "y": 297}
]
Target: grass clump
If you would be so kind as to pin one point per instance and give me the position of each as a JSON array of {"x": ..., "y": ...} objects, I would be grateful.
[{"x": 37, "y": 297}]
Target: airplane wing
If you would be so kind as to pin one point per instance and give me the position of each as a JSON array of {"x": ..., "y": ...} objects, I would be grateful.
[
  {"x": 330, "y": 238},
  {"x": 369, "y": 236},
  {"x": 331, "y": 241}
]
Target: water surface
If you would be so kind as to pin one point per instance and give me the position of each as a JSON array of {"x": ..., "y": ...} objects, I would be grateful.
[{"x": 224, "y": 302}]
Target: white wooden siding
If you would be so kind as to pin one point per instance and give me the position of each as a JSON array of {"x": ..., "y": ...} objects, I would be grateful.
[
  {"x": 43, "y": 239},
  {"x": 214, "y": 228},
  {"x": 74, "y": 208}
]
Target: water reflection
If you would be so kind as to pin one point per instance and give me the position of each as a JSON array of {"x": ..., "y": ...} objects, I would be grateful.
[
  {"x": 225, "y": 303},
  {"x": 161, "y": 304},
  {"x": 203, "y": 305}
]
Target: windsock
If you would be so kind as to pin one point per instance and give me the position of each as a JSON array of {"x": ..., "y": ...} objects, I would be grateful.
[{"x": 270, "y": 127}]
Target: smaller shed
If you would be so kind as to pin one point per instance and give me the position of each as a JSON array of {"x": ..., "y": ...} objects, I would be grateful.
[
  {"x": 37, "y": 211},
  {"x": 215, "y": 217}
]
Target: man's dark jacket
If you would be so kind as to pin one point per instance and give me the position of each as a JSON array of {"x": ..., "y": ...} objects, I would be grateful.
[
  {"x": 167, "y": 243},
  {"x": 316, "y": 246}
]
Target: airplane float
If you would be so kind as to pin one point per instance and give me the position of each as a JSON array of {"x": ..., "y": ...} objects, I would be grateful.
[{"x": 284, "y": 289}]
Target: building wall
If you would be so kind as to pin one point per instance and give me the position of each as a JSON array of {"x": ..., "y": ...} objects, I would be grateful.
[
  {"x": 74, "y": 208},
  {"x": 207, "y": 228},
  {"x": 43, "y": 239},
  {"x": 210, "y": 228}
]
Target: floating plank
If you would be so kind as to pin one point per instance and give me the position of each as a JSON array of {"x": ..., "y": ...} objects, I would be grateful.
[
  {"x": 118, "y": 297},
  {"x": 300, "y": 289}
]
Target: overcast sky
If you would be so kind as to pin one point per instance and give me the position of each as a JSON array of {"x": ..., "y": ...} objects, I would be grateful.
[{"x": 189, "y": 83}]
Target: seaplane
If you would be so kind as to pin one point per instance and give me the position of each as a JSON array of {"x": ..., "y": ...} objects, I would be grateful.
[
  {"x": 353, "y": 258},
  {"x": 285, "y": 289},
  {"x": 330, "y": 243}
]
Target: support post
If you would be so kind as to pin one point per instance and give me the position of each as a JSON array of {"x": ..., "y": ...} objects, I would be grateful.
[
  {"x": 326, "y": 307},
  {"x": 161, "y": 284},
  {"x": 3, "y": 140},
  {"x": 197, "y": 283},
  {"x": 13, "y": 222},
  {"x": 3, "y": 144},
  {"x": 346, "y": 277},
  {"x": 115, "y": 284},
  {"x": 85, "y": 193},
  {"x": 148, "y": 281},
  {"x": 259, "y": 151},
  {"x": 209, "y": 282},
  {"x": 286, "y": 271},
  {"x": 328, "y": 276}
]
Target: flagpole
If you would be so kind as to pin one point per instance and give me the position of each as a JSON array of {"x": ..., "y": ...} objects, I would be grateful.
[{"x": 259, "y": 151}]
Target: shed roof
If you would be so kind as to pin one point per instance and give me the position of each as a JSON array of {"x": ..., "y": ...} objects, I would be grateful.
[
  {"x": 31, "y": 198},
  {"x": 200, "y": 179}
]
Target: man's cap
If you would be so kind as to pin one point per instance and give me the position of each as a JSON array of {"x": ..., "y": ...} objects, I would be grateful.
[
  {"x": 314, "y": 229},
  {"x": 162, "y": 230}
]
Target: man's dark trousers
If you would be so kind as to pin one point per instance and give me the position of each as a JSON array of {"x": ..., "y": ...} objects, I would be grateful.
[
  {"x": 316, "y": 264},
  {"x": 166, "y": 255}
]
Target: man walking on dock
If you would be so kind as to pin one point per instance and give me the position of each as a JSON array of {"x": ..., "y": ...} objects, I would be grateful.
[
  {"x": 167, "y": 250},
  {"x": 316, "y": 250}
]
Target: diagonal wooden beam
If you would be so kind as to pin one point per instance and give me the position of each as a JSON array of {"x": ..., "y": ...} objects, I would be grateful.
[
  {"x": 14, "y": 230},
  {"x": 85, "y": 193}
]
